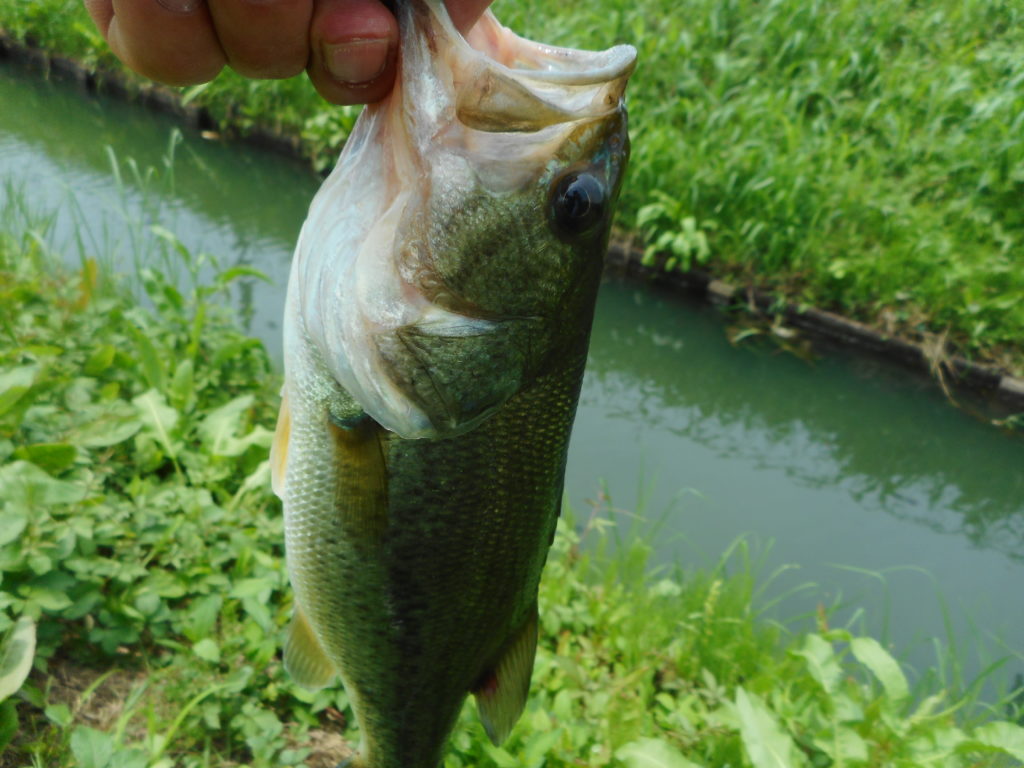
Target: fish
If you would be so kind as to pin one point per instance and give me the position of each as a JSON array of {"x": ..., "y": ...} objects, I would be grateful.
[{"x": 436, "y": 328}]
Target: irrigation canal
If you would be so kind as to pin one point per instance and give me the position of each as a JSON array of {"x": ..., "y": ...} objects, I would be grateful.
[{"x": 899, "y": 508}]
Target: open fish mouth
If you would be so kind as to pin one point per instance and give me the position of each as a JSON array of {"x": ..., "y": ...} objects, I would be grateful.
[{"x": 517, "y": 84}]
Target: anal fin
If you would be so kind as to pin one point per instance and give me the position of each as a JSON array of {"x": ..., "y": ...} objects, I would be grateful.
[
  {"x": 304, "y": 659},
  {"x": 501, "y": 694}
]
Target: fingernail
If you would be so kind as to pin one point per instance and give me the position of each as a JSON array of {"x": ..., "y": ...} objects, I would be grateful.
[
  {"x": 180, "y": 6},
  {"x": 356, "y": 62}
]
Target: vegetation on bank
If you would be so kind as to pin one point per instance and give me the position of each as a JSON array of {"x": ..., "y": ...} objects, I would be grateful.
[
  {"x": 865, "y": 156},
  {"x": 142, "y": 583}
]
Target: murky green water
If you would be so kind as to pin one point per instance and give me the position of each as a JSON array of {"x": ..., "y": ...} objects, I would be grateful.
[
  {"x": 59, "y": 150},
  {"x": 858, "y": 474}
]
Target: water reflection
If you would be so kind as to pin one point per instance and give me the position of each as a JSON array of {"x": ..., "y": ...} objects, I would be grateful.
[
  {"x": 246, "y": 208},
  {"x": 884, "y": 436},
  {"x": 73, "y": 134}
]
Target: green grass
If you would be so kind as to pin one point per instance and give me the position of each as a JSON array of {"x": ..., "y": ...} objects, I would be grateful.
[
  {"x": 139, "y": 537},
  {"x": 865, "y": 156}
]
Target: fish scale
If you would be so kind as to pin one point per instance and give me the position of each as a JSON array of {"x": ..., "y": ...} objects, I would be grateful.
[{"x": 436, "y": 331}]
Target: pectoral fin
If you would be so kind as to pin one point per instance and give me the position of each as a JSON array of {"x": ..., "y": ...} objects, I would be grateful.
[
  {"x": 279, "y": 448},
  {"x": 361, "y": 493},
  {"x": 501, "y": 694},
  {"x": 303, "y": 657}
]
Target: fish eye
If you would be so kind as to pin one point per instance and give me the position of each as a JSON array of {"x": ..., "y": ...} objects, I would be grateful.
[{"x": 577, "y": 204}]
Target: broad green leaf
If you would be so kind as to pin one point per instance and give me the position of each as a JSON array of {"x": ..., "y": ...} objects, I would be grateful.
[
  {"x": 129, "y": 758},
  {"x": 220, "y": 429},
  {"x": 208, "y": 650},
  {"x": 539, "y": 744},
  {"x": 872, "y": 655},
  {"x": 724, "y": 716},
  {"x": 100, "y": 359},
  {"x": 11, "y": 526},
  {"x": 201, "y": 616},
  {"x": 152, "y": 367},
  {"x": 14, "y": 383},
  {"x": 233, "y": 350},
  {"x": 999, "y": 736},
  {"x": 165, "y": 584},
  {"x": 59, "y": 714},
  {"x": 49, "y": 456},
  {"x": 251, "y": 587},
  {"x": 652, "y": 753},
  {"x": 147, "y": 603},
  {"x": 46, "y": 598},
  {"x": 821, "y": 661},
  {"x": 158, "y": 416},
  {"x": 27, "y": 486},
  {"x": 183, "y": 384},
  {"x": 766, "y": 743},
  {"x": 108, "y": 425},
  {"x": 92, "y": 748},
  {"x": 16, "y": 654},
  {"x": 500, "y": 756},
  {"x": 939, "y": 743},
  {"x": 846, "y": 707},
  {"x": 258, "y": 479},
  {"x": 257, "y": 610},
  {"x": 842, "y": 745}
]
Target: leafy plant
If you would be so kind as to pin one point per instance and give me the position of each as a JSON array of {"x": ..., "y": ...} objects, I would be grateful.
[
  {"x": 673, "y": 234},
  {"x": 16, "y": 651},
  {"x": 140, "y": 537}
]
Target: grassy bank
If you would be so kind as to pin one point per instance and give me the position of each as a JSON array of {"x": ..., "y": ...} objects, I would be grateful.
[
  {"x": 139, "y": 539},
  {"x": 865, "y": 156}
]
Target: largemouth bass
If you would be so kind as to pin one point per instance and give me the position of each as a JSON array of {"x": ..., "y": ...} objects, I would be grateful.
[{"x": 436, "y": 329}]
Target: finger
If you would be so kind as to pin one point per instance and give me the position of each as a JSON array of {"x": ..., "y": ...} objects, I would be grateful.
[
  {"x": 264, "y": 38},
  {"x": 464, "y": 13},
  {"x": 101, "y": 11},
  {"x": 167, "y": 40},
  {"x": 352, "y": 46}
]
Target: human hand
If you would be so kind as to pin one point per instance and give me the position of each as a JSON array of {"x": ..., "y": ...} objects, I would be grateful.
[{"x": 347, "y": 46}]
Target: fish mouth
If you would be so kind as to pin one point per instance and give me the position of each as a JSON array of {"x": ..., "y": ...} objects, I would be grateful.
[
  {"x": 506, "y": 83},
  {"x": 549, "y": 63}
]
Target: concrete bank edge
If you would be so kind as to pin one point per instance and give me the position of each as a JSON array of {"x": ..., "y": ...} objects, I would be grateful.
[
  {"x": 623, "y": 258},
  {"x": 953, "y": 370}
]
